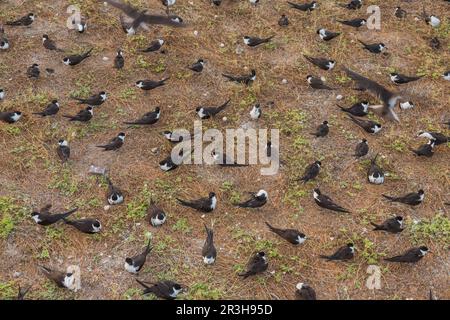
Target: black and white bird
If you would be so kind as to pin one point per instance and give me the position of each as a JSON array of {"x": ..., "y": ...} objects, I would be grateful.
[
  {"x": 412, "y": 255},
  {"x": 168, "y": 4},
  {"x": 361, "y": 149},
  {"x": 398, "y": 78},
  {"x": 327, "y": 35},
  {"x": 80, "y": 26},
  {"x": 388, "y": 98},
  {"x": 176, "y": 137},
  {"x": 115, "y": 143},
  {"x": 206, "y": 204},
  {"x": 368, "y": 125},
  {"x": 257, "y": 264},
  {"x": 62, "y": 279},
  {"x": 63, "y": 150},
  {"x": 446, "y": 75},
  {"x": 245, "y": 79},
  {"x": 254, "y": 2},
  {"x": 290, "y": 235},
  {"x": 49, "y": 44},
  {"x": 75, "y": 59},
  {"x": 82, "y": 116},
  {"x": 148, "y": 118},
  {"x": 304, "y": 6},
  {"x": 135, "y": 263},
  {"x": 33, "y": 71},
  {"x": 359, "y": 109},
  {"x": 400, "y": 13},
  {"x": 150, "y": 84},
  {"x": 23, "y": 21},
  {"x": 322, "y": 63},
  {"x": 197, "y": 66},
  {"x": 391, "y": 225},
  {"x": 114, "y": 196},
  {"x": 375, "y": 174},
  {"x": 352, "y": 5},
  {"x": 437, "y": 136},
  {"x": 257, "y": 200},
  {"x": 322, "y": 130},
  {"x": 154, "y": 46},
  {"x": 406, "y": 105},
  {"x": 356, "y": 23},
  {"x": 170, "y": 163},
  {"x": 304, "y": 292},
  {"x": 256, "y": 112},
  {"x": 2, "y": 94},
  {"x": 89, "y": 226},
  {"x": 156, "y": 216},
  {"x": 45, "y": 218},
  {"x": 208, "y": 112},
  {"x": 283, "y": 21},
  {"x": 119, "y": 60},
  {"x": 164, "y": 289},
  {"x": 10, "y": 116},
  {"x": 374, "y": 47},
  {"x": 346, "y": 252},
  {"x": 430, "y": 19},
  {"x": 94, "y": 100},
  {"x": 324, "y": 201},
  {"x": 4, "y": 43},
  {"x": 223, "y": 160},
  {"x": 425, "y": 150},
  {"x": 311, "y": 171},
  {"x": 209, "y": 252},
  {"x": 51, "y": 109},
  {"x": 317, "y": 83},
  {"x": 412, "y": 199},
  {"x": 255, "y": 41}
]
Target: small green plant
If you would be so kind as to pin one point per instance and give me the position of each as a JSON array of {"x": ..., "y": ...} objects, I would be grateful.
[
  {"x": 204, "y": 291},
  {"x": 7, "y": 290},
  {"x": 436, "y": 229},
  {"x": 182, "y": 225}
]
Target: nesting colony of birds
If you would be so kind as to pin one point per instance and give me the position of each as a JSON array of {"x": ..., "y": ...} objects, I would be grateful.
[{"x": 94, "y": 206}]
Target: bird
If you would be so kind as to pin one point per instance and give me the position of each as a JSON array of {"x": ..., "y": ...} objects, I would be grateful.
[
  {"x": 438, "y": 137},
  {"x": 197, "y": 66},
  {"x": 374, "y": 47},
  {"x": 170, "y": 163},
  {"x": 256, "y": 112},
  {"x": 317, "y": 83},
  {"x": 388, "y": 98},
  {"x": 154, "y": 46},
  {"x": 209, "y": 252},
  {"x": 368, "y": 125},
  {"x": 115, "y": 143},
  {"x": 290, "y": 235},
  {"x": 356, "y": 23},
  {"x": 176, "y": 137},
  {"x": 2, "y": 94},
  {"x": 322, "y": 63},
  {"x": 283, "y": 21},
  {"x": 375, "y": 174},
  {"x": 89, "y": 226},
  {"x": 164, "y": 289},
  {"x": 208, "y": 112},
  {"x": 82, "y": 116},
  {"x": 148, "y": 118},
  {"x": 257, "y": 200},
  {"x": 430, "y": 19},
  {"x": 327, "y": 35},
  {"x": 406, "y": 105},
  {"x": 361, "y": 149},
  {"x": 434, "y": 43},
  {"x": 33, "y": 71},
  {"x": 398, "y": 78},
  {"x": 119, "y": 60},
  {"x": 346, "y": 252},
  {"x": 425, "y": 150},
  {"x": 45, "y": 218},
  {"x": 311, "y": 171},
  {"x": 22, "y": 292},
  {"x": 412, "y": 199},
  {"x": 322, "y": 130},
  {"x": 51, "y": 109},
  {"x": 150, "y": 84},
  {"x": 80, "y": 26},
  {"x": 255, "y": 41},
  {"x": 23, "y": 21},
  {"x": 157, "y": 217},
  {"x": 223, "y": 160},
  {"x": 4, "y": 43},
  {"x": 207, "y": 204},
  {"x": 304, "y": 6},
  {"x": 304, "y": 292},
  {"x": 412, "y": 255},
  {"x": 391, "y": 225},
  {"x": 62, "y": 279},
  {"x": 216, "y": 2},
  {"x": 50, "y": 44},
  {"x": 324, "y": 201},
  {"x": 352, "y": 5},
  {"x": 257, "y": 264},
  {"x": 114, "y": 196},
  {"x": 94, "y": 100},
  {"x": 446, "y": 75},
  {"x": 135, "y": 263},
  {"x": 10, "y": 116},
  {"x": 63, "y": 150},
  {"x": 75, "y": 59},
  {"x": 400, "y": 13},
  {"x": 168, "y": 4},
  {"x": 245, "y": 79},
  {"x": 254, "y": 2},
  {"x": 359, "y": 109}
]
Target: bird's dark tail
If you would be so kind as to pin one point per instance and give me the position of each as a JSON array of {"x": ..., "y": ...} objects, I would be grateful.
[
  {"x": 342, "y": 108},
  {"x": 161, "y": 82},
  {"x": 389, "y": 197},
  {"x": 364, "y": 44},
  {"x": 269, "y": 38},
  {"x": 68, "y": 213},
  {"x": 149, "y": 247},
  {"x": 38, "y": 113},
  {"x": 143, "y": 284},
  {"x": 210, "y": 233},
  {"x": 325, "y": 257},
  {"x": 184, "y": 203},
  {"x": 229, "y": 77},
  {"x": 223, "y": 106},
  {"x": 13, "y": 23},
  {"x": 245, "y": 275},
  {"x": 87, "y": 53},
  {"x": 377, "y": 226}
]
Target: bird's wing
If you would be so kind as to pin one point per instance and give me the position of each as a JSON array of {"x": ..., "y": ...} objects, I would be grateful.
[
  {"x": 127, "y": 9},
  {"x": 157, "y": 19}
]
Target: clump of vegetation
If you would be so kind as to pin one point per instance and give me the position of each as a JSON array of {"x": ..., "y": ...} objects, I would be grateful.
[
  {"x": 10, "y": 214},
  {"x": 204, "y": 291},
  {"x": 436, "y": 228}
]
